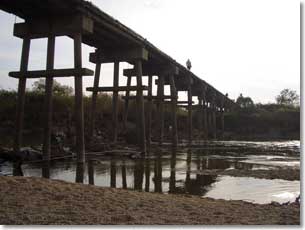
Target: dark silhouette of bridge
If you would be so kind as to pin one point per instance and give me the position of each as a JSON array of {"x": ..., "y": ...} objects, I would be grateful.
[{"x": 114, "y": 43}]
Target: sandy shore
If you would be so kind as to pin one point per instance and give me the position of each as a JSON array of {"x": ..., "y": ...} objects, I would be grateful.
[{"x": 41, "y": 201}]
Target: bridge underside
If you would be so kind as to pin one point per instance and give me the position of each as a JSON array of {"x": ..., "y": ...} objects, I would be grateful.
[{"x": 114, "y": 43}]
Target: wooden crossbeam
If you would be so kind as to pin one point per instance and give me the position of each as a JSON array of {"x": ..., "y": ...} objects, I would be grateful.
[
  {"x": 127, "y": 55},
  {"x": 66, "y": 25},
  {"x": 181, "y": 83},
  {"x": 187, "y": 106},
  {"x": 52, "y": 73},
  {"x": 178, "y": 102},
  {"x": 120, "y": 88},
  {"x": 150, "y": 97},
  {"x": 152, "y": 71}
]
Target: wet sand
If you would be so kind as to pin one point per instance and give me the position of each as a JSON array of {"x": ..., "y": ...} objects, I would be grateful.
[
  {"x": 26, "y": 200},
  {"x": 290, "y": 174}
]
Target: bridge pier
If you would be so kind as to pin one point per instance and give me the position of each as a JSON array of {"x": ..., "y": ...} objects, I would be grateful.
[
  {"x": 50, "y": 28},
  {"x": 79, "y": 110},
  {"x": 204, "y": 107},
  {"x": 174, "y": 96},
  {"x": 149, "y": 110},
  {"x": 115, "y": 99},
  {"x": 160, "y": 108},
  {"x": 46, "y": 148},
  {"x": 134, "y": 56},
  {"x": 94, "y": 100},
  {"x": 190, "y": 114},
  {"x": 209, "y": 120},
  {"x": 112, "y": 173},
  {"x": 140, "y": 108},
  {"x": 124, "y": 178},
  {"x": 213, "y": 114},
  {"x": 126, "y": 103},
  {"x": 21, "y": 94},
  {"x": 222, "y": 120},
  {"x": 172, "y": 180},
  {"x": 147, "y": 173},
  {"x": 200, "y": 115},
  {"x": 91, "y": 171}
]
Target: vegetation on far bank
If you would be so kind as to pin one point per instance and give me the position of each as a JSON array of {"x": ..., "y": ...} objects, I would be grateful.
[
  {"x": 249, "y": 121},
  {"x": 280, "y": 120}
]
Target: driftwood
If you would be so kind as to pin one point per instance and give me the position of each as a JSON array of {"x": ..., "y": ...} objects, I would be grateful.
[{"x": 127, "y": 153}]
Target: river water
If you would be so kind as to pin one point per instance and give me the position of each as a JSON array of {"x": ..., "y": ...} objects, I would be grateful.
[{"x": 188, "y": 171}]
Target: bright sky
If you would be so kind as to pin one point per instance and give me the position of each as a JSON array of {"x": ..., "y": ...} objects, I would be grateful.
[{"x": 238, "y": 46}]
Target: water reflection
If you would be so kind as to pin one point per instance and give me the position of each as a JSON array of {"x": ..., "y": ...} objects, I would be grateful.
[
  {"x": 138, "y": 174},
  {"x": 147, "y": 173},
  {"x": 188, "y": 163},
  {"x": 172, "y": 182},
  {"x": 91, "y": 171},
  {"x": 79, "y": 172},
  {"x": 46, "y": 169},
  {"x": 186, "y": 172},
  {"x": 17, "y": 170},
  {"x": 158, "y": 173},
  {"x": 124, "y": 180},
  {"x": 112, "y": 173}
]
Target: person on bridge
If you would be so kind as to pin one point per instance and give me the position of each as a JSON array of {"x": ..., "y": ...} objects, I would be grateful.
[{"x": 188, "y": 64}]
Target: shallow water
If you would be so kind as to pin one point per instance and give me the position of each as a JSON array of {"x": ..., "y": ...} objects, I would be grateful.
[
  {"x": 254, "y": 190},
  {"x": 184, "y": 172}
]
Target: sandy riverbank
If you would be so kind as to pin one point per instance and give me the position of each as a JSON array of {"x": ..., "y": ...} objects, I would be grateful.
[{"x": 41, "y": 201}]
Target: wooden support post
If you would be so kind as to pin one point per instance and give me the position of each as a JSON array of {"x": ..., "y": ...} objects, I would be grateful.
[
  {"x": 158, "y": 173},
  {"x": 112, "y": 173},
  {"x": 79, "y": 110},
  {"x": 94, "y": 100},
  {"x": 115, "y": 98},
  {"x": 160, "y": 108},
  {"x": 200, "y": 114},
  {"x": 199, "y": 163},
  {"x": 149, "y": 109},
  {"x": 211, "y": 120},
  {"x": 91, "y": 171},
  {"x": 147, "y": 173},
  {"x": 140, "y": 108},
  {"x": 213, "y": 113},
  {"x": 17, "y": 170},
  {"x": 188, "y": 167},
  {"x": 48, "y": 107},
  {"x": 174, "y": 111},
  {"x": 124, "y": 180},
  {"x": 204, "y": 108},
  {"x": 208, "y": 120},
  {"x": 126, "y": 103},
  {"x": 172, "y": 181},
  {"x": 222, "y": 119},
  {"x": 138, "y": 174},
  {"x": 190, "y": 122},
  {"x": 21, "y": 94}
]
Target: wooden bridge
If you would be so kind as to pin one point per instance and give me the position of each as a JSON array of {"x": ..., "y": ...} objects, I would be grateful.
[{"x": 114, "y": 43}]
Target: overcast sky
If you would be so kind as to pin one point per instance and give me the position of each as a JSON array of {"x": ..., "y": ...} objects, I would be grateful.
[{"x": 238, "y": 46}]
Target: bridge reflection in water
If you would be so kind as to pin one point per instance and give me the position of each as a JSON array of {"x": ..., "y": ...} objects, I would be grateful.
[
  {"x": 186, "y": 171},
  {"x": 183, "y": 172}
]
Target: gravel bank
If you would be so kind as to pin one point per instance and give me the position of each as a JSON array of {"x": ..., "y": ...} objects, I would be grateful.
[{"x": 25, "y": 200}]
